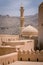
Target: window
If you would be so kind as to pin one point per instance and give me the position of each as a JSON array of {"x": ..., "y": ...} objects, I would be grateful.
[
  {"x": 41, "y": 24},
  {"x": 28, "y": 59},
  {"x": 20, "y": 59},
  {"x": 3, "y": 63},
  {"x": 9, "y": 39},
  {"x": 37, "y": 60},
  {"x": 13, "y": 60},
  {"x": 8, "y": 62}
]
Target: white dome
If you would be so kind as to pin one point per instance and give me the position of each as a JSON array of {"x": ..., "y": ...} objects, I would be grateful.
[{"x": 30, "y": 30}]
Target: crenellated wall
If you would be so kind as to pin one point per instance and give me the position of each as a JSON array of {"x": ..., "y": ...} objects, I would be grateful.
[
  {"x": 23, "y": 55},
  {"x": 30, "y": 55}
]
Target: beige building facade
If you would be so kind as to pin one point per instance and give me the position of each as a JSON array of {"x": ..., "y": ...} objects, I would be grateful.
[
  {"x": 8, "y": 38},
  {"x": 22, "y": 44},
  {"x": 30, "y": 55}
]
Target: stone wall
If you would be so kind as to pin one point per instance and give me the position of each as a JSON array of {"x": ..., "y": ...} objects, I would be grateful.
[
  {"x": 30, "y": 56},
  {"x": 6, "y": 50},
  {"x": 7, "y": 59},
  {"x": 24, "y": 44}
]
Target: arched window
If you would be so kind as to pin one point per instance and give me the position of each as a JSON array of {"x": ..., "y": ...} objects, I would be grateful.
[
  {"x": 13, "y": 60},
  {"x": 8, "y": 62},
  {"x": 3, "y": 63},
  {"x": 20, "y": 59},
  {"x": 37, "y": 60},
  {"x": 28, "y": 59}
]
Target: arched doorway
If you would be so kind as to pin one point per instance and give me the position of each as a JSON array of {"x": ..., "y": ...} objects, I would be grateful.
[
  {"x": 28, "y": 59},
  {"x": 20, "y": 59}
]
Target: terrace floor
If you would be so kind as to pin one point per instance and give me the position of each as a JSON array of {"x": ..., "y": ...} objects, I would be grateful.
[{"x": 26, "y": 63}]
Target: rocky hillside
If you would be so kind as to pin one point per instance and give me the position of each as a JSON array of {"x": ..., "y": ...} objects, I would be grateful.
[{"x": 11, "y": 25}]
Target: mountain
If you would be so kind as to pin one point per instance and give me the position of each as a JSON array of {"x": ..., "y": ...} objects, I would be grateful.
[{"x": 11, "y": 25}]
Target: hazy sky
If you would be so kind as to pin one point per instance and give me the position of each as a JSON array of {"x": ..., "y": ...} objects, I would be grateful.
[{"x": 12, "y": 7}]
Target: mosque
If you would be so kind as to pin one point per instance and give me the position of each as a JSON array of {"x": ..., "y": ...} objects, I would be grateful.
[
  {"x": 28, "y": 31},
  {"x": 25, "y": 47}
]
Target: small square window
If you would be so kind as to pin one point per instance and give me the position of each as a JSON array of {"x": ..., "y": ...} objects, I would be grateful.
[{"x": 41, "y": 24}]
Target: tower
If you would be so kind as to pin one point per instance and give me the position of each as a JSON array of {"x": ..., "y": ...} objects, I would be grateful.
[
  {"x": 21, "y": 17},
  {"x": 40, "y": 17}
]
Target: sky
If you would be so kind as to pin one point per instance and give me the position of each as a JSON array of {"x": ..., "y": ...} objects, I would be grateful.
[{"x": 12, "y": 7}]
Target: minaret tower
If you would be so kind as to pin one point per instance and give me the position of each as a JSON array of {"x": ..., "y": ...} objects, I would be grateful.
[{"x": 21, "y": 17}]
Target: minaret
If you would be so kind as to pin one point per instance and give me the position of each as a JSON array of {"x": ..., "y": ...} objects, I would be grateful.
[{"x": 21, "y": 18}]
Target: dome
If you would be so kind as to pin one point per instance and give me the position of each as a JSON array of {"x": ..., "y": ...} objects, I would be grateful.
[{"x": 30, "y": 30}]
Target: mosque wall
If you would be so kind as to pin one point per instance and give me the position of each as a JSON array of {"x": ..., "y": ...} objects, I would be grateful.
[
  {"x": 13, "y": 43},
  {"x": 29, "y": 45},
  {"x": 23, "y": 44},
  {"x": 6, "y": 38}
]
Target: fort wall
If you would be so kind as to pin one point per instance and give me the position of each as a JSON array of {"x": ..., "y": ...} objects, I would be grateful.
[
  {"x": 30, "y": 56},
  {"x": 9, "y": 58}
]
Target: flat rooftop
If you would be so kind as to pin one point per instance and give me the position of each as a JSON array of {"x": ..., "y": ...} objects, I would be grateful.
[
  {"x": 26, "y": 63},
  {"x": 21, "y": 40}
]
